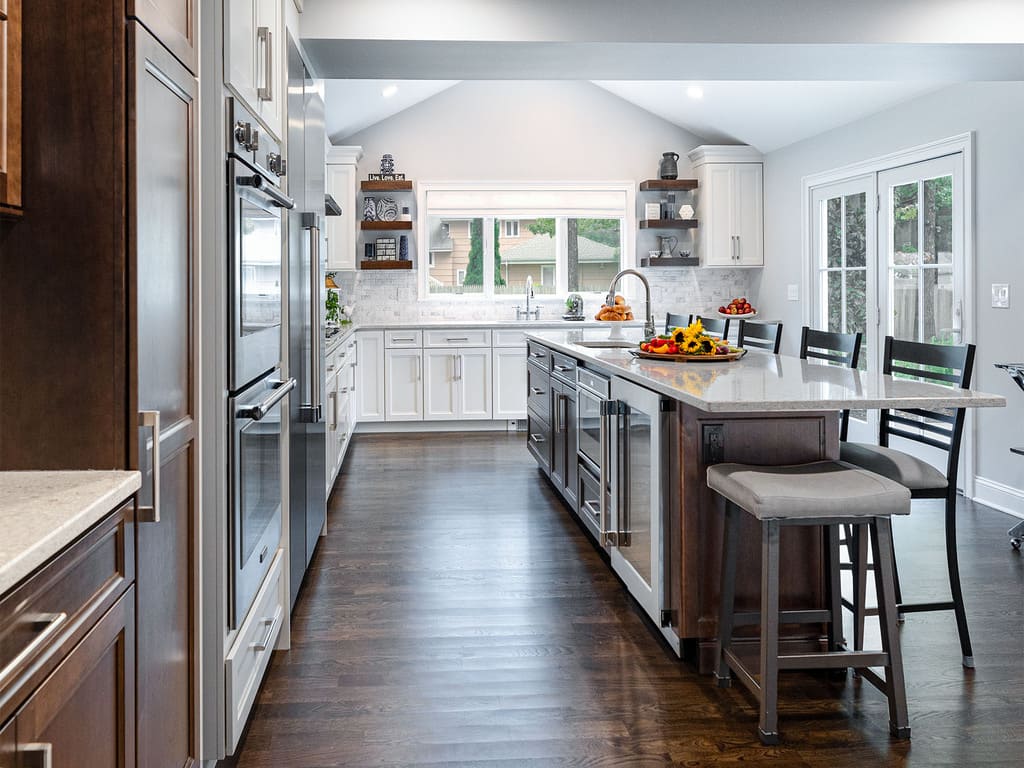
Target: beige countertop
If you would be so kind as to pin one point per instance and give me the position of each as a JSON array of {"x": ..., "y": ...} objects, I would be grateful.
[
  {"x": 762, "y": 382},
  {"x": 41, "y": 513}
]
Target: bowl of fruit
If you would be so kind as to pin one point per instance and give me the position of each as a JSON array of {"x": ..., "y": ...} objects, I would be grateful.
[
  {"x": 689, "y": 344},
  {"x": 738, "y": 308}
]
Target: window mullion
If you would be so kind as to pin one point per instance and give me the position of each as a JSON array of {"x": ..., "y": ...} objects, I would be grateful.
[{"x": 488, "y": 257}]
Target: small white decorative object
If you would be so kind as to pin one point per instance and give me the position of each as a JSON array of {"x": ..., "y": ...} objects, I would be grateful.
[
  {"x": 685, "y": 211},
  {"x": 652, "y": 211}
]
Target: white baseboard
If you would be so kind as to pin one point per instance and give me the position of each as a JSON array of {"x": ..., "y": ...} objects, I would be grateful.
[
  {"x": 1005, "y": 498},
  {"x": 390, "y": 427}
]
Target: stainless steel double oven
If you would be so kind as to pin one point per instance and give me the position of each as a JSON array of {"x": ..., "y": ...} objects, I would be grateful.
[{"x": 256, "y": 389}]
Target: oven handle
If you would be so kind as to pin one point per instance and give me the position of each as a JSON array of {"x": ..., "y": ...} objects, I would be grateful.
[
  {"x": 258, "y": 183},
  {"x": 258, "y": 411}
]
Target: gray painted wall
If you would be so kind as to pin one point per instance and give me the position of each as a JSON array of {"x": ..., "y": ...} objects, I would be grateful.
[{"x": 995, "y": 112}]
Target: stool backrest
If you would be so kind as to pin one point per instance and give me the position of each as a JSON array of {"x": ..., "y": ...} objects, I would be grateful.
[
  {"x": 934, "y": 363},
  {"x": 834, "y": 348},
  {"x": 766, "y": 336},
  {"x": 716, "y": 325},
  {"x": 673, "y": 320}
]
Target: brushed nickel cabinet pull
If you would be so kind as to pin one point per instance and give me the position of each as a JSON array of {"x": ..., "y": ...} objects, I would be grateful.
[{"x": 151, "y": 513}]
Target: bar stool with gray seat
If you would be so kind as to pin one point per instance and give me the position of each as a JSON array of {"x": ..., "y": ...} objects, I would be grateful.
[
  {"x": 824, "y": 493},
  {"x": 764, "y": 336},
  {"x": 939, "y": 429}
]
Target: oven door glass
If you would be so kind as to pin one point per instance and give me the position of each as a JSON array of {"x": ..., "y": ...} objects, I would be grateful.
[
  {"x": 588, "y": 422},
  {"x": 259, "y": 266}
]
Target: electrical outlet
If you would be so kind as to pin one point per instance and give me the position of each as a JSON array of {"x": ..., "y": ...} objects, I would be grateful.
[
  {"x": 1001, "y": 295},
  {"x": 793, "y": 292},
  {"x": 714, "y": 444}
]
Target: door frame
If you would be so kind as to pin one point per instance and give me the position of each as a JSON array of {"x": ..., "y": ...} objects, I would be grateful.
[{"x": 964, "y": 145}]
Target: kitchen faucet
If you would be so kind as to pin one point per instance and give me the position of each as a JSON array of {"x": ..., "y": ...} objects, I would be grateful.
[
  {"x": 649, "y": 329},
  {"x": 520, "y": 312}
]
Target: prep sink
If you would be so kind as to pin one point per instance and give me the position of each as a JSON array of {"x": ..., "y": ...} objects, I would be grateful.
[{"x": 607, "y": 344}]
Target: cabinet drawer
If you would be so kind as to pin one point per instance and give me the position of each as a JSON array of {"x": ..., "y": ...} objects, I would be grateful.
[
  {"x": 538, "y": 439},
  {"x": 249, "y": 656},
  {"x": 538, "y": 390},
  {"x": 458, "y": 337},
  {"x": 539, "y": 355},
  {"x": 509, "y": 338},
  {"x": 564, "y": 367},
  {"x": 333, "y": 360},
  {"x": 41, "y": 620},
  {"x": 397, "y": 339}
]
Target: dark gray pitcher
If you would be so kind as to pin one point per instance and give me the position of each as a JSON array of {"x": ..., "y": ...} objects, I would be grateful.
[{"x": 668, "y": 168}]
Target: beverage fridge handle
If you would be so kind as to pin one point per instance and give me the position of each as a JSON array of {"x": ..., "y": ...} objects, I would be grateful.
[
  {"x": 623, "y": 534},
  {"x": 315, "y": 302},
  {"x": 151, "y": 513},
  {"x": 609, "y": 410}
]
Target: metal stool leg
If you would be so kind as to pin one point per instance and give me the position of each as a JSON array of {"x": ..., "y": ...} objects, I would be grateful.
[
  {"x": 768, "y": 728},
  {"x": 727, "y": 591},
  {"x": 954, "y": 582},
  {"x": 860, "y": 585},
  {"x": 885, "y": 584},
  {"x": 835, "y": 594}
]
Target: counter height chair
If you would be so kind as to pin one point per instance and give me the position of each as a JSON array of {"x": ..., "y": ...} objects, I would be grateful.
[
  {"x": 717, "y": 326},
  {"x": 835, "y": 348},
  {"x": 673, "y": 320},
  {"x": 826, "y": 494},
  {"x": 941, "y": 429},
  {"x": 764, "y": 336}
]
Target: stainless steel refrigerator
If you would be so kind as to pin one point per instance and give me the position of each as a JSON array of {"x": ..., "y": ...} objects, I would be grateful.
[{"x": 306, "y": 172}]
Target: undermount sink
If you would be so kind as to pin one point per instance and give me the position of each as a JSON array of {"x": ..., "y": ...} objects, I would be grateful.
[{"x": 606, "y": 344}]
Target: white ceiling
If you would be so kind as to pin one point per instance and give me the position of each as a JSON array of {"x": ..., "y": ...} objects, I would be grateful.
[
  {"x": 352, "y": 105},
  {"x": 766, "y": 115}
]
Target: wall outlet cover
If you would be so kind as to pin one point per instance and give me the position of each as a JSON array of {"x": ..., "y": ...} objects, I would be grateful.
[
  {"x": 793, "y": 292},
  {"x": 1000, "y": 295}
]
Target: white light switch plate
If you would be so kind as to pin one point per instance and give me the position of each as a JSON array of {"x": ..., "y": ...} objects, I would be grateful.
[
  {"x": 1000, "y": 295},
  {"x": 793, "y": 292}
]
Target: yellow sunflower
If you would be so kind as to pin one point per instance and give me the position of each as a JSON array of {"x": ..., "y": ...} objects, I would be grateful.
[{"x": 691, "y": 346}]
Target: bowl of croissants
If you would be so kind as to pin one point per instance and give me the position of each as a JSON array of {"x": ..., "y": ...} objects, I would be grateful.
[{"x": 617, "y": 312}]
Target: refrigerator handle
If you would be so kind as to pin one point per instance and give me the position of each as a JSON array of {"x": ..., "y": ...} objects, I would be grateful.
[{"x": 315, "y": 302}]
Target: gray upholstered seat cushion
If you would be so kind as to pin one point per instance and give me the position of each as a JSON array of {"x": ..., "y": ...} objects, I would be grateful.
[
  {"x": 905, "y": 469},
  {"x": 821, "y": 489}
]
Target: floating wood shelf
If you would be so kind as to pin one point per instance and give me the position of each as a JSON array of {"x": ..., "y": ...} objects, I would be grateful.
[
  {"x": 668, "y": 185},
  {"x": 392, "y": 264},
  {"x": 385, "y": 186},
  {"x": 670, "y": 261},
  {"x": 668, "y": 224},
  {"x": 385, "y": 226}
]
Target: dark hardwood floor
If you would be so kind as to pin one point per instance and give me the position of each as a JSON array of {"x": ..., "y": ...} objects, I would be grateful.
[{"x": 457, "y": 615}]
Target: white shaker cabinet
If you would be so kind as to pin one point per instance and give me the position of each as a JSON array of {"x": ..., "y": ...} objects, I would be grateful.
[
  {"x": 473, "y": 385},
  {"x": 254, "y": 51},
  {"x": 342, "y": 181},
  {"x": 403, "y": 384},
  {"x": 730, "y": 206},
  {"x": 510, "y": 382},
  {"x": 369, "y": 376},
  {"x": 439, "y": 384}
]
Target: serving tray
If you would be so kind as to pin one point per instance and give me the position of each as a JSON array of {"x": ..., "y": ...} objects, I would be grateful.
[{"x": 736, "y": 354}]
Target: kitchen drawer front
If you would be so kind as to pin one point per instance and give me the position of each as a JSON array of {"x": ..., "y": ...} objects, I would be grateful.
[
  {"x": 538, "y": 391},
  {"x": 538, "y": 439},
  {"x": 504, "y": 338},
  {"x": 334, "y": 359},
  {"x": 248, "y": 658},
  {"x": 564, "y": 367},
  {"x": 461, "y": 337},
  {"x": 539, "y": 355},
  {"x": 399, "y": 339},
  {"x": 41, "y": 620}
]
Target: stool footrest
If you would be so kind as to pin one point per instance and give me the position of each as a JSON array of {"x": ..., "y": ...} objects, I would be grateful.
[
  {"x": 874, "y": 678},
  {"x": 922, "y": 607},
  {"x": 834, "y": 660},
  {"x": 741, "y": 671},
  {"x": 753, "y": 618}
]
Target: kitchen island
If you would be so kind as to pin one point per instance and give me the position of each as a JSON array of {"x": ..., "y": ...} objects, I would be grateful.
[{"x": 761, "y": 409}]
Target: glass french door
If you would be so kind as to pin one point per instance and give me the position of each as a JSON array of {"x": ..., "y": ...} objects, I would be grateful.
[{"x": 844, "y": 266}]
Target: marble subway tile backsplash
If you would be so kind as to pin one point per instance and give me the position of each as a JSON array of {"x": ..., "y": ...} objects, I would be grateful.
[{"x": 384, "y": 297}]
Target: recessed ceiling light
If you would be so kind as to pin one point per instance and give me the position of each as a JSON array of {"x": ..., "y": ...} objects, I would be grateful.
[
  {"x": 389, "y": 91},
  {"x": 695, "y": 92}
]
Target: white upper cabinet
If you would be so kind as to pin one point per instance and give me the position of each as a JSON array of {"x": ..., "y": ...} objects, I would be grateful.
[
  {"x": 254, "y": 52},
  {"x": 730, "y": 206},
  {"x": 341, "y": 185}
]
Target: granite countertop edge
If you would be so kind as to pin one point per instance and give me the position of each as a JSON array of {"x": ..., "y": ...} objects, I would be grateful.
[{"x": 43, "y": 512}]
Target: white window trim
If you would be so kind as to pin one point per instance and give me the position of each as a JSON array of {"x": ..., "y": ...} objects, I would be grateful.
[
  {"x": 505, "y": 228},
  {"x": 519, "y": 200}
]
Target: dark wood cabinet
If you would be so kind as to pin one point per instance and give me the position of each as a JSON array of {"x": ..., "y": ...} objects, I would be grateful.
[
  {"x": 173, "y": 23},
  {"x": 10, "y": 107}
]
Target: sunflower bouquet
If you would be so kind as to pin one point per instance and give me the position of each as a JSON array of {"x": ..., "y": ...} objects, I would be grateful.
[{"x": 691, "y": 340}]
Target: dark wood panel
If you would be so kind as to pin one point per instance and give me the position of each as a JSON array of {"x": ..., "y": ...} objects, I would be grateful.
[
  {"x": 173, "y": 23},
  {"x": 85, "y": 710},
  {"x": 8, "y": 744},
  {"x": 63, "y": 349},
  {"x": 10, "y": 108},
  {"x": 486, "y": 629}
]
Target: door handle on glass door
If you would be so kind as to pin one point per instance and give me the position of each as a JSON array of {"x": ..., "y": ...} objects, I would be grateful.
[{"x": 151, "y": 513}]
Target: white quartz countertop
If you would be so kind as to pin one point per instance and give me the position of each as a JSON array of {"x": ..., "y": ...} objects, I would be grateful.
[
  {"x": 544, "y": 324},
  {"x": 342, "y": 335},
  {"x": 763, "y": 382},
  {"x": 41, "y": 513}
]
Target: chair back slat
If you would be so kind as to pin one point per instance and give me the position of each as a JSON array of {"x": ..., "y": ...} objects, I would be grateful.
[
  {"x": 766, "y": 336},
  {"x": 948, "y": 418},
  {"x": 924, "y": 373},
  {"x": 834, "y": 348},
  {"x": 919, "y": 438},
  {"x": 675, "y": 320},
  {"x": 718, "y": 326},
  {"x": 927, "y": 426}
]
